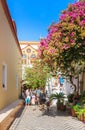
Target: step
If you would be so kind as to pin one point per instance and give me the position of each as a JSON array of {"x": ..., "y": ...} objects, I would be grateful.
[{"x": 8, "y": 114}]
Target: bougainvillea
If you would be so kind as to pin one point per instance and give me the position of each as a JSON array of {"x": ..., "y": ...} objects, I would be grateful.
[
  {"x": 73, "y": 37},
  {"x": 64, "y": 47},
  {"x": 50, "y": 47}
]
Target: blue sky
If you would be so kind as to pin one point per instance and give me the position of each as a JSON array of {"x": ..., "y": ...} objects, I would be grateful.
[{"x": 33, "y": 17}]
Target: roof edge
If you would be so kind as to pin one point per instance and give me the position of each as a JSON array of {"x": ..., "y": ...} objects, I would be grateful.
[
  {"x": 30, "y": 46},
  {"x": 29, "y": 42},
  {"x": 8, "y": 16}
]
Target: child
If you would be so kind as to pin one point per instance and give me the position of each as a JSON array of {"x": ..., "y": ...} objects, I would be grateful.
[
  {"x": 48, "y": 103},
  {"x": 33, "y": 99}
]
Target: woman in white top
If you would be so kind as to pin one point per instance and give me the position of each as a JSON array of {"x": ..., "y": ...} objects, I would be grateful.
[{"x": 28, "y": 97}]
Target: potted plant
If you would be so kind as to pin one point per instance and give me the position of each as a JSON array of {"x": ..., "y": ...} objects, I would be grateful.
[
  {"x": 81, "y": 115},
  {"x": 70, "y": 98},
  {"x": 84, "y": 117},
  {"x": 60, "y": 99},
  {"x": 82, "y": 98},
  {"x": 74, "y": 109}
]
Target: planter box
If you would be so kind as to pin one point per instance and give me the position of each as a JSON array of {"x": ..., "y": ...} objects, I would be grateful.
[
  {"x": 61, "y": 107},
  {"x": 9, "y": 117},
  {"x": 73, "y": 113}
]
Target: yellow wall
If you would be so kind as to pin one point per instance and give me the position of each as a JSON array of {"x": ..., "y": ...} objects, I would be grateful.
[
  {"x": 9, "y": 55},
  {"x": 84, "y": 82},
  {"x": 33, "y": 51},
  {"x": 29, "y": 60}
]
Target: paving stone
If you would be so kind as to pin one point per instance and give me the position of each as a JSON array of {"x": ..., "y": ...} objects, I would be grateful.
[{"x": 41, "y": 120}]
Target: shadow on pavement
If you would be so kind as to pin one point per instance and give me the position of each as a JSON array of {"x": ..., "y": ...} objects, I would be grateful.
[
  {"x": 20, "y": 112},
  {"x": 13, "y": 115},
  {"x": 54, "y": 112}
]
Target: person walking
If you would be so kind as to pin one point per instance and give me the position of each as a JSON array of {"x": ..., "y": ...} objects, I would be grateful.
[
  {"x": 38, "y": 92},
  {"x": 61, "y": 80},
  {"x": 33, "y": 98},
  {"x": 28, "y": 97},
  {"x": 42, "y": 99}
]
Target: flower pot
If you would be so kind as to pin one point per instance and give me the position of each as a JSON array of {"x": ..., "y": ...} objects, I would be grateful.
[
  {"x": 64, "y": 108},
  {"x": 73, "y": 112},
  {"x": 61, "y": 107},
  {"x": 84, "y": 120},
  {"x": 58, "y": 106},
  {"x": 82, "y": 117}
]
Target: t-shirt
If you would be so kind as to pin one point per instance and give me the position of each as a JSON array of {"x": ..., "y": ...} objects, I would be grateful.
[
  {"x": 27, "y": 93},
  {"x": 42, "y": 96},
  {"x": 38, "y": 92},
  {"x": 61, "y": 80}
]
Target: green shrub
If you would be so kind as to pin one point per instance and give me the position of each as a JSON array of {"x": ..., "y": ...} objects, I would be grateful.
[{"x": 70, "y": 98}]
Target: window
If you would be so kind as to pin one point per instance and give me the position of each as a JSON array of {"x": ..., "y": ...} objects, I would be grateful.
[
  {"x": 24, "y": 56},
  {"x": 4, "y": 76},
  {"x": 33, "y": 56},
  {"x": 28, "y": 50},
  {"x": 17, "y": 81}
]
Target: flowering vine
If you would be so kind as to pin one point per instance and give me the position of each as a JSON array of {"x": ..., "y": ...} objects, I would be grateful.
[{"x": 64, "y": 46}]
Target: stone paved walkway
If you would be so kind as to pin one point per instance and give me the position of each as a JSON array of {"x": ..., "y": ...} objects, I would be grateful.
[{"x": 34, "y": 119}]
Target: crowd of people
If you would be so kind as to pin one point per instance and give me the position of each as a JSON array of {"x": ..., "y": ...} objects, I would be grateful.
[{"x": 35, "y": 97}]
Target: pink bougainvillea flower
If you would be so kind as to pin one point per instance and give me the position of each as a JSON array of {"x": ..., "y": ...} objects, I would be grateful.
[
  {"x": 72, "y": 34},
  {"x": 63, "y": 16},
  {"x": 82, "y": 22},
  {"x": 52, "y": 51},
  {"x": 71, "y": 40},
  {"x": 65, "y": 46},
  {"x": 43, "y": 43}
]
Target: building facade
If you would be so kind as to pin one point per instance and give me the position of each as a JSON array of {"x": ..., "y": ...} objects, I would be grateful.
[
  {"x": 30, "y": 54},
  {"x": 10, "y": 58}
]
